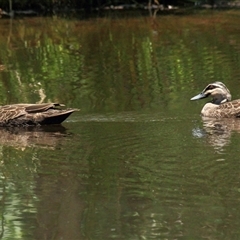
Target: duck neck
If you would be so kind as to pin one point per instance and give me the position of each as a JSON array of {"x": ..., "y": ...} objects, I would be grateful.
[{"x": 219, "y": 99}]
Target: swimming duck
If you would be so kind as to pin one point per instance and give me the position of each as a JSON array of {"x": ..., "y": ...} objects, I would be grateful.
[
  {"x": 33, "y": 114},
  {"x": 221, "y": 105}
]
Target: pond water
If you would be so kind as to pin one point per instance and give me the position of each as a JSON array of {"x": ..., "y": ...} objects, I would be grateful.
[{"x": 138, "y": 161}]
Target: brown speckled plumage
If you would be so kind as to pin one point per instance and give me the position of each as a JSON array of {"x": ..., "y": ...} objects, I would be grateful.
[
  {"x": 33, "y": 114},
  {"x": 221, "y": 105}
]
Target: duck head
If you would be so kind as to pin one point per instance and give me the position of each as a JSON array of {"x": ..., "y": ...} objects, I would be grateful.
[{"x": 217, "y": 90}]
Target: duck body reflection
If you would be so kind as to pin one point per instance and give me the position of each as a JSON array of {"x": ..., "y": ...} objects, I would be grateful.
[
  {"x": 34, "y": 136},
  {"x": 217, "y": 131}
]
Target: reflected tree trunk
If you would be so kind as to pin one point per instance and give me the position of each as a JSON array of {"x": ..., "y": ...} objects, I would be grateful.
[
  {"x": 10, "y": 6},
  {"x": 155, "y": 1}
]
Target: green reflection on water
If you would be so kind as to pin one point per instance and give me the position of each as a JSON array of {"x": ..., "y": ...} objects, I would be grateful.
[{"x": 102, "y": 65}]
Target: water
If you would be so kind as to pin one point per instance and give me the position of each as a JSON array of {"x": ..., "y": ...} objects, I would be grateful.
[{"x": 138, "y": 161}]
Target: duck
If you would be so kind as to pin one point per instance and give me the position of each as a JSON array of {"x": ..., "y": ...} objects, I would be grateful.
[
  {"x": 24, "y": 114},
  {"x": 221, "y": 105}
]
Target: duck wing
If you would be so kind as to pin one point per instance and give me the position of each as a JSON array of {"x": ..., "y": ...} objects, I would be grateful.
[
  {"x": 229, "y": 109},
  {"x": 33, "y": 114},
  {"x": 10, "y": 112},
  {"x": 35, "y": 108}
]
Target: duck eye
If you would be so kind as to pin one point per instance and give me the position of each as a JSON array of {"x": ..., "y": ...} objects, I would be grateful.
[{"x": 210, "y": 87}]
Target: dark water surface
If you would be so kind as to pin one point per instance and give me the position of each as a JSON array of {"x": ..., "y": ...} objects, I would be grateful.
[{"x": 137, "y": 162}]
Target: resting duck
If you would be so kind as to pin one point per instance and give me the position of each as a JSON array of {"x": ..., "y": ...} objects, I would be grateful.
[
  {"x": 221, "y": 105},
  {"x": 33, "y": 114}
]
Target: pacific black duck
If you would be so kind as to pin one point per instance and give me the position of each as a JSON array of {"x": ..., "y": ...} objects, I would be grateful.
[
  {"x": 33, "y": 114},
  {"x": 221, "y": 105}
]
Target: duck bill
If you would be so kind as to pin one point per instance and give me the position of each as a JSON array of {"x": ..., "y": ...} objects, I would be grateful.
[{"x": 199, "y": 96}]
